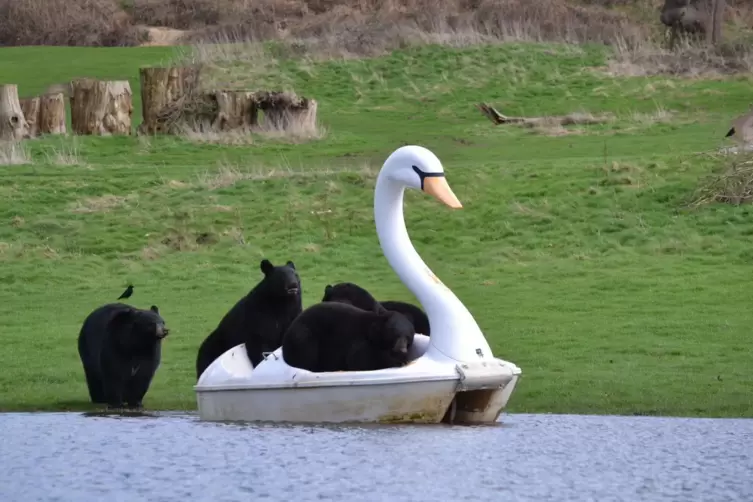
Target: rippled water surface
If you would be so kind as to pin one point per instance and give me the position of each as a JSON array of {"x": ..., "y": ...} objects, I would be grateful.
[{"x": 72, "y": 457}]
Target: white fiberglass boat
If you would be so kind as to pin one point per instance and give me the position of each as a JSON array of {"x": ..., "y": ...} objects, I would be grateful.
[{"x": 452, "y": 377}]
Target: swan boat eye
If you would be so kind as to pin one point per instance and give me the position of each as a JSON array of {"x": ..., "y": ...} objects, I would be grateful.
[{"x": 422, "y": 175}]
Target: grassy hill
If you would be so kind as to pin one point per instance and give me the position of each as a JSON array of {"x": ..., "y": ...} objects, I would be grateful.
[{"x": 578, "y": 249}]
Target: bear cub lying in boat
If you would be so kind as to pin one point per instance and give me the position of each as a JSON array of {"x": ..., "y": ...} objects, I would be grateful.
[{"x": 340, "y": 337}]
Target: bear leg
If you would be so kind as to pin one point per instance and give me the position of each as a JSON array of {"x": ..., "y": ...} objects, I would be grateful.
[
  {"x": 138, "y": 385},
  {"x": 113, "y": 385},
  {"x": 94, "y": 384},
  {"x": 254, "y": 351}
]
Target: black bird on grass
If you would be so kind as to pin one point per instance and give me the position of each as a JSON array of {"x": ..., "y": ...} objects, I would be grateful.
[{"x": 127, "y": 293}]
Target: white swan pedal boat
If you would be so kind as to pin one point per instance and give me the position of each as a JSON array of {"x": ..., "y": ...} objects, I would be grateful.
[{"x": 452, "y": 376}]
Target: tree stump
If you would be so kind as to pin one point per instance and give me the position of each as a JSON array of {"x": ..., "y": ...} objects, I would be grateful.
[
  {"x": 51, "y": 117},
  {"x": 236, "y": 110},
  {"x": 30, "y": 107},
  {"x": 13, "y": 125},
  {"x": 163, "y": 92},
  {"x": 101, "y": 108},
  {"x": 285, "y": 111}
]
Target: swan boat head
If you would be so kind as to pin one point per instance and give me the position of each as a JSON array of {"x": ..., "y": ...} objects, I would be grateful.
[{"x": 454, "y": 332}]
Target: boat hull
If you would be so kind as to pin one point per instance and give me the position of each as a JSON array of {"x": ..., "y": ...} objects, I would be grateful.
[
  {"x": 429, "y": 390},
  {"x": 418, "y": 402}
]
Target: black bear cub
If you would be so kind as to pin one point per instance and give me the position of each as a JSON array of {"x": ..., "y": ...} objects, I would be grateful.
[
  {"x": 334, "y": 336},
  {"x": 259, "y": 319},
  {"x": 353, "y": 294},
  {"x": 121, "y": 348}
]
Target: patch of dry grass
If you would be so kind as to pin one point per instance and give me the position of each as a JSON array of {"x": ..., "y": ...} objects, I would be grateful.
[
  {"x": 562, "y": 125},
  {"x": 100, "y": 204},
  {"x": 293, "y": 129},
  {"x": 293, "y": 132},
  {"x": 687, "y": 59},
  {"x": 65, "y": 22},
  {"x": 228, "y": 175},
  {"x": 659, "y": 116},
  {"x": 199, "y": 134},
  {"x": 66, "y": 153}
]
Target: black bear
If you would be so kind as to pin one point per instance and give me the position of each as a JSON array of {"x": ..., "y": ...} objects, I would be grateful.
[
  {"x": 121, "y": 348},
  {"x": 353, "y": 294},
  {"x": 259, "y": 319},
  {"x": 333, "y": 336}
]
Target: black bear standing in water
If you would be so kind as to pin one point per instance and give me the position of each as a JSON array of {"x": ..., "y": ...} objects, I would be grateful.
[
  {"x": 333, "y": 336},
  {"x": 121, "y": 348},
  {"x": 259, "y": 319},
  {"x": 353, "y": 294}
]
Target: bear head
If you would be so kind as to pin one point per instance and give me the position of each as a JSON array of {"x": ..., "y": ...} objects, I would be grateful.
[
  {"x": 392, "y": 333},
  {"x": 282, "y": 281},
  {"x": 352, "y": 294},
  {"x": 141, "y": 327}
]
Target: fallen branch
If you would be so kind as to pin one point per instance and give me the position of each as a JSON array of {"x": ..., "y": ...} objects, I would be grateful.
[
  {"x": 570, "y": 119},
  {"x": 731, "y": 185}
]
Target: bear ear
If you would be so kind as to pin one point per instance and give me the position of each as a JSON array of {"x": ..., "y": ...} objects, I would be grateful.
[
  {"x": 290, "y": 264},
  {"x": 154, "y": 309},
  {"x": 266, "y": 266},
  {"x": 327, "y": 292}
]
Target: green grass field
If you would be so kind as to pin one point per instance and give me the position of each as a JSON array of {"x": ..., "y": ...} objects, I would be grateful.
[{"x": 575, "y": 250}]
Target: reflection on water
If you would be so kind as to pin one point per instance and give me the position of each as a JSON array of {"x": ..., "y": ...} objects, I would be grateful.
[{"x": 172, "y": 457}]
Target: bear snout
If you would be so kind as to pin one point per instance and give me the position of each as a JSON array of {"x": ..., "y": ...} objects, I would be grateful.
[
  {"x": 292, "y": 290},
  {"x": 162, "y": 331},
  {"x": 401, "y": 346}
]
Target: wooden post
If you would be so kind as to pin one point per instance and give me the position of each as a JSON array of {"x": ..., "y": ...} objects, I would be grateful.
[
  {"x": 286, "y": 111},
  {"x": 13, "y": 125},
  {"x": 30, "y": 107},
  {"x": 101, "y": 108},
  {"x": 51, "y": 118},
  {"x": 161, "y": 91},
  {"x": 717, "y": 19}
]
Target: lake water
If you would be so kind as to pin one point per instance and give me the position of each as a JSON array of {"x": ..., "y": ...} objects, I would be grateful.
[{"x": 175, "y": 457}]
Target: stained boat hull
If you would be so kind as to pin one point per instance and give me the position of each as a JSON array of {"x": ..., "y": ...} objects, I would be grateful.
[{"x": 430, "y": 389}]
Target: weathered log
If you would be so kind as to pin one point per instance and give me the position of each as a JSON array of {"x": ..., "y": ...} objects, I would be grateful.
[
  {"x": 163, "y": 94},
  {"x": 51, "y": 118},
  {"x": 13, "y": 125},
  {"x": 286, "y": 111},
  {"x": 101, "y": 108},
  {"x": 557, "y": 120},
  {"x": 30, "y": 107}
]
